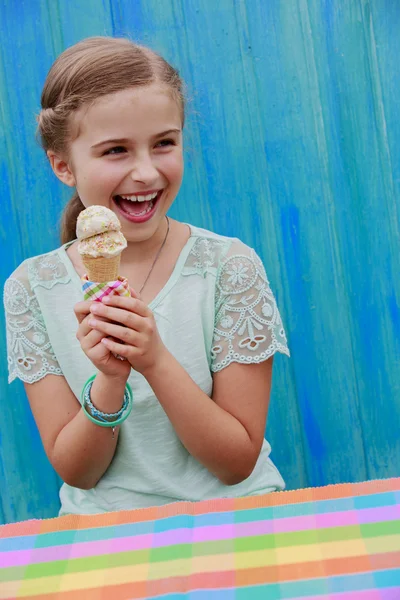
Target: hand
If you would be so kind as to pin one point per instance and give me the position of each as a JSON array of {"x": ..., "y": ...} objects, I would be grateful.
[
  {"x": 128, "y": 328},
  {"x": 90, "y": 341}
]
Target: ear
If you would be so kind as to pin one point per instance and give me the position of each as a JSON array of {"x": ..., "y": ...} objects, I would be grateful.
[{"x": 61, "y": 168}]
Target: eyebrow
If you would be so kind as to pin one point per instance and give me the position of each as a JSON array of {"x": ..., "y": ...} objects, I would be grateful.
[{"x": 125, "y": 140}]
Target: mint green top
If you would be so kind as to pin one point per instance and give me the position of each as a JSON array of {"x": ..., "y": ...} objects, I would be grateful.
[{"x": 216, "y": 308}]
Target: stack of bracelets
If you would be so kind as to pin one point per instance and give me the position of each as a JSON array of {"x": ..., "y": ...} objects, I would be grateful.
[{"x": 101, "y": 418}]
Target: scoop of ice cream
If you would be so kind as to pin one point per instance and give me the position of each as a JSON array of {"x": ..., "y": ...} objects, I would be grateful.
[
  {"x": 103, "y": 245},
  {"x": 94, "y": 220}
]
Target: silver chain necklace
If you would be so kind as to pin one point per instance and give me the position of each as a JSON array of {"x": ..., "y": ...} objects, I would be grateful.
[{"x": 156, "y": 258}]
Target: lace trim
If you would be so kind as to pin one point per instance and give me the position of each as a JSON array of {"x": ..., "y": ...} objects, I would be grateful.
[
  {"x": 204, "y": 257},
  {"x": 30, "y": 354},
  {"x": 248, "y": 327},
  {"x": 47, "y": 270}
]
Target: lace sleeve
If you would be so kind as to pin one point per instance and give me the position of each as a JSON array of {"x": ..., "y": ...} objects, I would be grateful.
[
  {"x": 29, "y": 352},
  {"x": 248, "y": 327}
]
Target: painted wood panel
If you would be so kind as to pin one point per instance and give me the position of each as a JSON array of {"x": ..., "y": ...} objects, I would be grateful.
[{"x": 292, "y": 144}]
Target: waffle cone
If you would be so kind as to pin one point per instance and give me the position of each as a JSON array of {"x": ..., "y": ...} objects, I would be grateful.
[{"x": 101, "y": 269}]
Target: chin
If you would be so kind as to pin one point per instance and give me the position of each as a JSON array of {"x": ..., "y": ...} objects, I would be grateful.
[{"x": 140, "y": 236}]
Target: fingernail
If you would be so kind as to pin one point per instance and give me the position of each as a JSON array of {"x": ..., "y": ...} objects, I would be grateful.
[
  {"x": 106, "y": 299},
  {"x": 94, "y": 308},
  {"x": 92, "y": 322}
]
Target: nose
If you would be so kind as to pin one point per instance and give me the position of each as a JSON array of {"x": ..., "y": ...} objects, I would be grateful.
[{"x": 143, "y": 169}]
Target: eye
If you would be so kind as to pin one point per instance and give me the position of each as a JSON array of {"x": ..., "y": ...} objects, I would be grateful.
[
  {"x": 115, "y": 150},
  {"x": 165, "y": 143}
]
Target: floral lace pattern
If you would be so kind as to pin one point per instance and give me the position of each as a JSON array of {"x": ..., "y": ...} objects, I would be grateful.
[
  {"x": 46, "y": 271},
  {"x": 248, "y": 326},
  {"x": 30, "y": 355},
  {"x": 204, "y": 257}
]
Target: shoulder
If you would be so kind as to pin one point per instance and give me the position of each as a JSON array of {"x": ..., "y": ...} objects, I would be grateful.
[
  {"x": 42, "y": 270},
  {"x": 210, "y": 251}
]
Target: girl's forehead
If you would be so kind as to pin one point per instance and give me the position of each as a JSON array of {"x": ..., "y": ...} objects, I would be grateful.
[{"x": 139, "y": 108}]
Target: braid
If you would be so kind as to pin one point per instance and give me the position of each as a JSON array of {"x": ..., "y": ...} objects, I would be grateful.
[{"x": 69, "y": 218}]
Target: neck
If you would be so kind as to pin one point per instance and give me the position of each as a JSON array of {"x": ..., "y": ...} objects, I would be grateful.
[{"x": 142, "y": 251}]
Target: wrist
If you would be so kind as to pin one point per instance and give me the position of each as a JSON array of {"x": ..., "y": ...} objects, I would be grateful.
[
  {"x": 108, "y": 392},
  {"x": 157, "y": 367},
  {"x": 111, "y": 381}
]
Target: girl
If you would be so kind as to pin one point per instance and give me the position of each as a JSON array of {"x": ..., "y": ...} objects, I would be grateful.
[{"x": 198, "y": 334}]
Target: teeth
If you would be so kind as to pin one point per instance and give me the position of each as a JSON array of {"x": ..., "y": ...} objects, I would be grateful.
[
  {"x": 144, "y": 212},
  {"x": 140, "y": 198}
]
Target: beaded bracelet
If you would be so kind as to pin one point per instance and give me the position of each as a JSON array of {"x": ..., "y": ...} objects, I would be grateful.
[
  {"x": 103, "y": 419},
  {"x": 102, "y": 416}
]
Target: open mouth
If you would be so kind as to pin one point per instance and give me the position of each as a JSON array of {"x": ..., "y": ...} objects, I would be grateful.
[{"x": 138, "y": 207}]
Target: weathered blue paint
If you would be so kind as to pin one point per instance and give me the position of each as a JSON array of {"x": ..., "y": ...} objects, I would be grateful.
[{"x": 293, "y": 145}]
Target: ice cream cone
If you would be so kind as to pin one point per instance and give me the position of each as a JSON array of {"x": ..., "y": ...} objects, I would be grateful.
[{"x": 101, "y": 269}]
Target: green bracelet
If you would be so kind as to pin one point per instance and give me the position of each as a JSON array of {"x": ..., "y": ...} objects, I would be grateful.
[{"x": 112, "y": 424}]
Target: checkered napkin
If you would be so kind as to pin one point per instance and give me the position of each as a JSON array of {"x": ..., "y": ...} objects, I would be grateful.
[
  {"x": 97, "y": 291},
  {"x": 340, "y": 542}
]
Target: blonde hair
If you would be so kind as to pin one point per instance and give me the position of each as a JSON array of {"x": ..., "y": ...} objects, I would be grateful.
[{"x": 83, "y": 73}]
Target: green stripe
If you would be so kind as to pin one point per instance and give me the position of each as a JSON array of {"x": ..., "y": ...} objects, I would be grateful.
[
  {"x": 171, "y": 553},
  {"x": 46, "y": 569},
  {"x": 210, "y": 548},
  {"x": 184, "y": 551},
  {"x": 88, "y": 563},
  {"x": 380, "y": 529},
  {"x": 12, "y": 574},
  {"x": 259, "y": 542},
  {"x": 337, "y": 534}
]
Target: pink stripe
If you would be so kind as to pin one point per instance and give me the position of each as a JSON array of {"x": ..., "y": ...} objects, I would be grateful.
[
  {"x": 381, "y": 594},
  {"x": 334, "y": 519},
  {"x": 177, "y": 536},
  {"x": 112, "y": 546},
  {"x": 357, "y": 595},
  {"x": 19, "y": 558},
  {"x": 255, "y": 528},
  {"x": 40, "y": 555},
  {"x": 214, "y": 532},
  {"x": 16, "y": 558},
  {"x": 390, "y": 593},
  {"x": 289, "y": 524},
  {"x": 373, "y": 515}
]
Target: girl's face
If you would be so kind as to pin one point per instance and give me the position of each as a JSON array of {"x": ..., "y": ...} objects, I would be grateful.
[{"x": 128, "y": 157}]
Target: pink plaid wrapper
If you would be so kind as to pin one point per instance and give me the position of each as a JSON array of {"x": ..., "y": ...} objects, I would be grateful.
[{"x": 97, "y": 291}]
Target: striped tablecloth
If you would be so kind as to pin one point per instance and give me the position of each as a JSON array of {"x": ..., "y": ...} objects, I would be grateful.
[{"x": 339, "y": 542}]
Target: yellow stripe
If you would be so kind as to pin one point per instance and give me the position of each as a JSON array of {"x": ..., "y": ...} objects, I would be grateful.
[
  {"x": 174, "y": 568},
  {"x": 39, "y": 585},
  {"x": 199, "y": 564},
  {"x": 82, "y": 580},
  {"x": 325, "y": 551},
  {"x": 388, "y": 543},
  {"x": 129, "y": 573},
  {"x": 209, "y": 564},
  {"x": 254, "y": 559},
  {"x": 103, "y": 577}
]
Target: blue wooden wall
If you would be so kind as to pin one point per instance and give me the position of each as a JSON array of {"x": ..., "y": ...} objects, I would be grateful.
[{"x": 293, "y": 145}]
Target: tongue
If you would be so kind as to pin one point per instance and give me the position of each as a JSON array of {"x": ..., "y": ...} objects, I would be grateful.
[{"x": 133, "y": 208}]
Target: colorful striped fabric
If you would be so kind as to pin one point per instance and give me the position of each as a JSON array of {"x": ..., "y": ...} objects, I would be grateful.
[
  {"x": 340, "y": 542},
  {"x": 97, "y": 291}
]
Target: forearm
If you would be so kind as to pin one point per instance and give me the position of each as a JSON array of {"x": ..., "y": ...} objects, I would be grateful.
[
  {"x": 83, "y": 450},
  {"x": 210, "y": 434}
]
